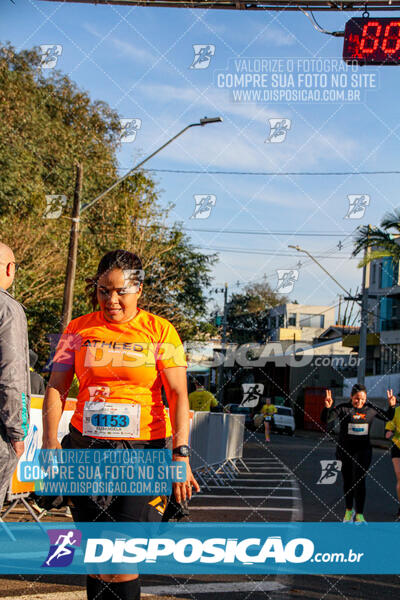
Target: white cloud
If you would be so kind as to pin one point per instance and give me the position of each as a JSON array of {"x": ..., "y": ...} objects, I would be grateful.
[{"x": 126, "y": 48}]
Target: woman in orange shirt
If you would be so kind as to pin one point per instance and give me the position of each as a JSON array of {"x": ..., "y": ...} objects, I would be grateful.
[{"x": 122, "y": 356}]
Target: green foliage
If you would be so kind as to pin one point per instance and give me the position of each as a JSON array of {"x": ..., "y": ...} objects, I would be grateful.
[
  {"x": 48, "y": 126},
  {"x": 248, "y": 313},
  {"x": 379, "y": 240}
]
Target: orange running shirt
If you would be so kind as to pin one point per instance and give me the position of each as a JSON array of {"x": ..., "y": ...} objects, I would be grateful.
[{"x": 121, "y": 363}]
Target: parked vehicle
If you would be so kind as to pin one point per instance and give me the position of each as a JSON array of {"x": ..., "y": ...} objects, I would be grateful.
[{"x": 282, "y": 420}]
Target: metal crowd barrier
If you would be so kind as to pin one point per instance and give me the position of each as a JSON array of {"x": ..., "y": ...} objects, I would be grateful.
[
  {"x": 217, "y": 446},
  {"x": 216, "y": 440}
]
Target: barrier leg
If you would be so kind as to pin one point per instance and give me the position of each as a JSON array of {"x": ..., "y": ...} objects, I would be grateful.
[{"x": 28, "y": 508}]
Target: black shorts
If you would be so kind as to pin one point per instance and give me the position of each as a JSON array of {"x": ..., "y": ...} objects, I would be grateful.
[
  {"x": 395, "y": 451},
  {"x": 116, "y": 508}
]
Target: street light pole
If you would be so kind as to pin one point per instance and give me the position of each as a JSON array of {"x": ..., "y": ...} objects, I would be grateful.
[
  {"x": 362, "y": 347},
  {"x": 77, "y": 211},
  {"x": 320, "y": 266}
]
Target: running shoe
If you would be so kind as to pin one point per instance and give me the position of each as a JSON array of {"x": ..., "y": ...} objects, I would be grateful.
[
  {"x": 348, "y": 516},
  {"x": 359, "y": 518}
]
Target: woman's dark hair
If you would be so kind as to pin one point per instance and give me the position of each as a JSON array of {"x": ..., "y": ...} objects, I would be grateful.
[
  {"x": 116, "y": 259},
  {"x": 358, "y": 387}
]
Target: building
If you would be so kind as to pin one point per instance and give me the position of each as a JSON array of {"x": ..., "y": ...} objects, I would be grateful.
[
  {"x": 299, "y": 322},
  {"x": 383, "y": 338}
]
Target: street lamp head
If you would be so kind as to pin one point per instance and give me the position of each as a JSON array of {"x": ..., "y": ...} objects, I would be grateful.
[
  {"x": 207, "y": 120},
  {"x": 295, "y": 248}
]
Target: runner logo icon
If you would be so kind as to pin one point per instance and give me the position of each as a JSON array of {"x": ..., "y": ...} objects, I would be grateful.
[
  {"x": 357, "y": 205},
  {"x": 278, "y": 130},
  {"x": 61, "y": 553},
  {"x": 329, "y": 471},
  {"x": 203, "y": 54}
]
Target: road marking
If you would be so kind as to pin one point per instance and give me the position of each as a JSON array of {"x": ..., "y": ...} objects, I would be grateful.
[
  {"x": 249, "y": 487},
  {"x": 77, "y": 595},
  {"x": 170, "y": 590},
  {"x": 207, "y": 588},
  {"x": 240, "y": 496},
  {"x": 248, "y": 508},
  {"x": 286, "y": 480},
  {"x": 264, "y": 473}
]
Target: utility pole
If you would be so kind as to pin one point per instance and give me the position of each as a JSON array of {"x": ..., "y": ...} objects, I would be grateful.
[
  {"x": 340, "y": 303},
  {"x": 72, "y": 251},
  {"x": 221, "y": 366},
  {"x": 362, "y": 349}
]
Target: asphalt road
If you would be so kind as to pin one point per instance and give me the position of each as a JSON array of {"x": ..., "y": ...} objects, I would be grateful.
[{"x": 278, "y": 482}]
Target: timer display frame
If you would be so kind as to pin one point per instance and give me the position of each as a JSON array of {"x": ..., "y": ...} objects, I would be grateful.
[{"x": 372, "y": 41}]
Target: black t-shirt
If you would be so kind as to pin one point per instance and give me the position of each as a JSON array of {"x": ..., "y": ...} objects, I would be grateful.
[{"x": 355, "y": 423}]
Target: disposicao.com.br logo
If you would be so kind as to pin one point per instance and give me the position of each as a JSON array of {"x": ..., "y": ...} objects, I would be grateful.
[
  {"x": 62, "y": 547},
  {"x": 211, "y": 551},
  {"x": 200, "y": 548}
]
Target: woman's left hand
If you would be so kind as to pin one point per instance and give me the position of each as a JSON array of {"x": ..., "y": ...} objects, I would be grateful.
[
  {"x": 183, "y": 489},
  {"x": 391, "y": 398}
]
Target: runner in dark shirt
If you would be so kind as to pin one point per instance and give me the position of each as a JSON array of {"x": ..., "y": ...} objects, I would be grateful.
[{"x": 354, "y": 448}]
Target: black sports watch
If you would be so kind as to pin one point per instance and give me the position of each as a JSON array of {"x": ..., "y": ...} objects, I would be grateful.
[{"x": 181, "y": 451}]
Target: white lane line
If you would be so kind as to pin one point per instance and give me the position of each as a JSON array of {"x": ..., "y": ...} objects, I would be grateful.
[
  {"x": 248, "y": 508},
  {"x": 248, "y": 487},
  {"x": 264, "y": 473},
  {"x": 207, "y": 588},
  {"x": 241, "y": 496},
  {"x": 286, "y": 480},
  {"x": 164, "y": 590},
  {"x": 77, "y": 595}
]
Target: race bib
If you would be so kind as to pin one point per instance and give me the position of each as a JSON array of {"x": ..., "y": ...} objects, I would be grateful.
[
  {"x": 357, "y": 429},
  {"x": 111, "y": 420}
]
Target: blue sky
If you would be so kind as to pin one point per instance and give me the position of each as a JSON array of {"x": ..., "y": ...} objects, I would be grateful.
[{"x": 138, "y": 60}]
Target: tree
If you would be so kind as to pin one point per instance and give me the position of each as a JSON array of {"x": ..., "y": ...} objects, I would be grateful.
[
  {"x": 48, "y": 125},
  {"x": 380, "y": 240},
  {"x": 247, "y": 317}
]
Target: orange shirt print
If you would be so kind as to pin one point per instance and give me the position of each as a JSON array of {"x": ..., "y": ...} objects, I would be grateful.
[{"x": 121, "y": 363}]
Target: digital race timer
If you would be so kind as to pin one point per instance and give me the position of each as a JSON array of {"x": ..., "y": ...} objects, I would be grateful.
[{"x": 372, "y": 41}]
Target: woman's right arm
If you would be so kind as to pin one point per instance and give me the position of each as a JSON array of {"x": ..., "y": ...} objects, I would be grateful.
[
  {"x": 329, "y": 412},
  {"x": 53, "y": 405}
]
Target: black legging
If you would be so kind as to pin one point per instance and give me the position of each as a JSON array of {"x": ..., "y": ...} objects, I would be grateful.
[{"x": 355, "y": 464}]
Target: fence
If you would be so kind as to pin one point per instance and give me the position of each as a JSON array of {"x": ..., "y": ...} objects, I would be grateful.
[
  {"x": 216, "y": 441},
  {"x": 217, "y": 446}
]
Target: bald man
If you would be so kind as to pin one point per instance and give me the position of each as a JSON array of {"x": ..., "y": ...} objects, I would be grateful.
[{"x": 14, "y": 373}]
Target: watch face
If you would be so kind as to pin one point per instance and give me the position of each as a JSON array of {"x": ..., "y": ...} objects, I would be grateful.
[{"x": 182, "y": 451}]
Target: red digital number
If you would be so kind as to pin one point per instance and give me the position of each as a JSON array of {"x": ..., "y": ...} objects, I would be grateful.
[
  {"x": 366, "y": 37},
  {"x": 390, "y": 36}
]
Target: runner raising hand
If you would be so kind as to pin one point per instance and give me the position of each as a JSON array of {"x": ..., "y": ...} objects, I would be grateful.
[
  {"x": 328, "y": 399},
  {"x": 354, "y": 448}
]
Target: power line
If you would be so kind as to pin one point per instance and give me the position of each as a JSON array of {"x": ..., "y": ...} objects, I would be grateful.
[
  {"x": 249, "y": 232},
  {"x": 269, "y": 173},
  {"x": 267, "y": 252}
]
